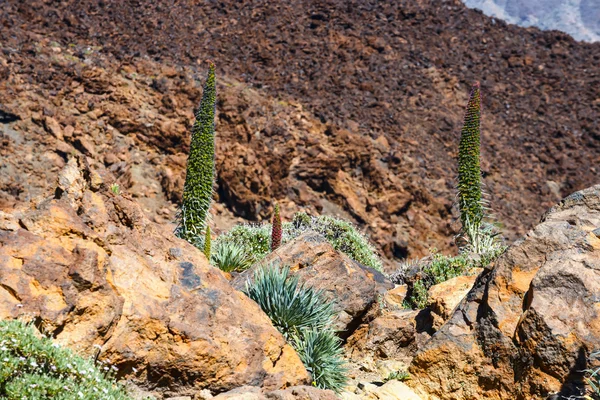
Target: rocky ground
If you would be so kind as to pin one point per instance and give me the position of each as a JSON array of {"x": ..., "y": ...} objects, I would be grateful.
[
  {"x": 94, "y": 272},
  {"x": 349, "y": 108}
]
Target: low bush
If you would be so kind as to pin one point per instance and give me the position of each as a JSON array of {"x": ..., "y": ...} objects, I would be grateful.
[
  {"x": 423, "y": 274},
  {"x": 305, "y": 318},
  {"x": 33, "y": 368},
  {"x": 343, "y": 236},
  {"x": 230, "y": 257},
  {"x": 401, "y": 376}
]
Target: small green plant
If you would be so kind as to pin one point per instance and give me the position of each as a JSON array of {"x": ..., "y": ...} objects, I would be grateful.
[
  {"x": 593, "y": 376},
  {"x": 342, "y": 235},
  {"x": 229, "y": 257},
  {"x": 435, "y": 269},
  {"x": 291, "y": 306},
  {"x": 114, "y": 188},
  {"x": 206, "y": 249},
  {"x": 417, "y": 299},
  {"x": 276, "y": 232},
  {"x": 200, "y": 172},
  {"x": 401, "y": 376},
  {"x": 321, "y": 353},
  {"x": 34, "y": 368},
  {"x": 254, "y": 240},
  {"x": 304, "y": 317}
]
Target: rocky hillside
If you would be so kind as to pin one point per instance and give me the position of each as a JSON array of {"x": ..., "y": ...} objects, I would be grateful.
[
  {"x": 578, "y": 18},
  {"x": 339, "y": 107}
]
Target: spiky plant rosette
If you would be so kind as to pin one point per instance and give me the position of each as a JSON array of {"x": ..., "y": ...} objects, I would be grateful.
[
  {"x": 322, "y": 354},
  {"x": 305, "y": 319},
  {"x": 469, "y": 169},
  {"x": 200, "y": 172},
  {"x": 229, "y": 257},
  {"x": 291, "y": 305}
]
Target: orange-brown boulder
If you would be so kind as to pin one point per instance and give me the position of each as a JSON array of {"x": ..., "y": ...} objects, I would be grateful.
[
  {"x": 528, "y": 325},
  {"x": 352, "y": 287}
]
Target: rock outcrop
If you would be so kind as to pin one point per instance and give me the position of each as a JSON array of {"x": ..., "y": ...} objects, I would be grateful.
[
  {"x": 526, "y": 328},
  {"x": 348, "y": 107},
  {"x": 92, "y": 270},
  {"x": 352, "y": 287}
]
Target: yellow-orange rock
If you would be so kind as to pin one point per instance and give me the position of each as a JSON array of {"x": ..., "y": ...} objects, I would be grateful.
[
  {"x": 443, "y": 298},
  {"x": 526, "y": 328},
  {"x": 95, "y": 271}
]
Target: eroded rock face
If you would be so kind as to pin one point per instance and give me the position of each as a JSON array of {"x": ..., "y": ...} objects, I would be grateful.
[
  {"x": 389, "y": 336},
  {"x": 94, "y": 270},
  {"x": 525, "y": 329},
  {"x": 353, "y": 287},
  {"x": 443, "y": 298}
]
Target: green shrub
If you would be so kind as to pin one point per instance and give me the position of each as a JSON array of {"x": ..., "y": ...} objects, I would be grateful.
[
  {"x": 291, "y": 306},
  {"x": 304, "y": 317},
  {"x": 398, "y": 376},
  {"x": 321, "y": 353},
  {"x": 417, "y": 298},
  {"x": 343, "y": 236},
  {"x": 200, "y": 172},
  {"x": 33, "y": 368},
  {"x": 230, "y": 257},
  {"x": 253, "y": 240},
  {"x": 433, "y": 270}
]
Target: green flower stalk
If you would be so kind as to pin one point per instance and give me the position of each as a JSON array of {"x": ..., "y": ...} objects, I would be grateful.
[
  {"x": 200, "y": 173},
  {"x": 276, "y": 231},
  {"x": 469, "y": 170},
  {"x": 206, "y": 250}
]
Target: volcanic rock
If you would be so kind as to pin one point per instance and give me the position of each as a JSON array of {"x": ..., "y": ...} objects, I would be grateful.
[
  {"x": 92, "y": 270},
  {"x": 354, "y": 288},
  {"x": 527, "y": 327}
]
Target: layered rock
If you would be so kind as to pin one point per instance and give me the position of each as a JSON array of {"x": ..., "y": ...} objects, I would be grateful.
[
  {"x": 352, "y": 287},
  {"x": 526, "y": 328},
  {"x": 92, "y": 270}
]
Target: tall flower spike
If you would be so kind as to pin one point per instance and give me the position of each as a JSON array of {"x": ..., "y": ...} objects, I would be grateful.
[
  {"x": 200, "y": 173},
  {"x": 207, "y": 243},
  {"x": 469, "y": 170},
  {"x": 276, "y": 231}
]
